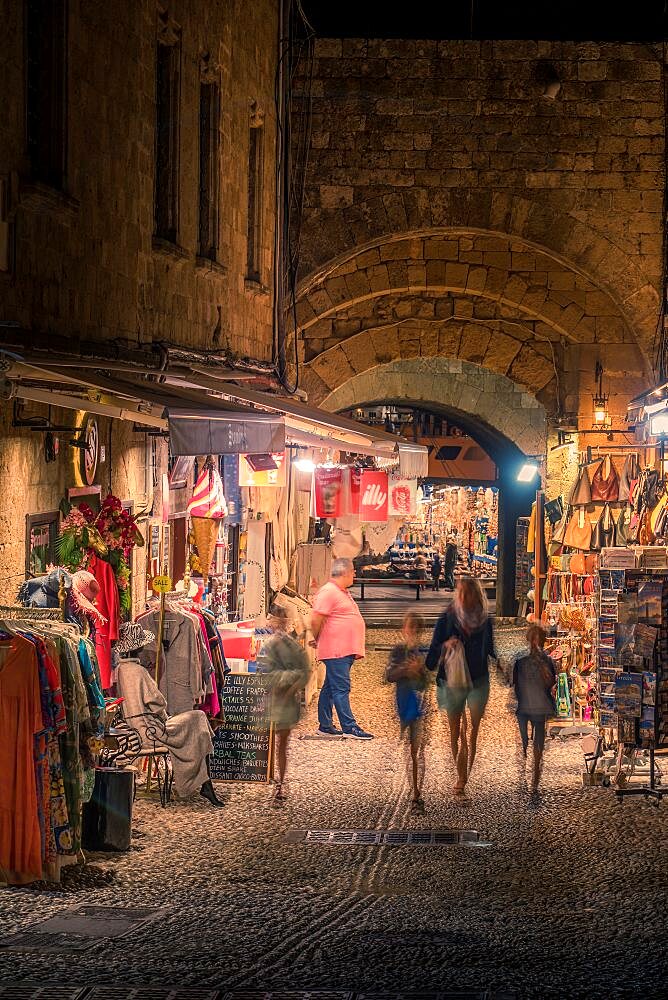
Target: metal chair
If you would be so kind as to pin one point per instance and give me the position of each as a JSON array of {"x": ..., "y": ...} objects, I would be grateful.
[{"x": 145, "y": 742}]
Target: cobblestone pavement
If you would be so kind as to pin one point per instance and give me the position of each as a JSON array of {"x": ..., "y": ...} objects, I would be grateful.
[{"x": 567, "y": 901}]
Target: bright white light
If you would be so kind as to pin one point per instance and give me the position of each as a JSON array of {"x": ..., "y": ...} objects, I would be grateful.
[
  {"x": 305, "y": 464},
  {"x": 527, "y": 472},
  {"x": 658, "y": 424}
]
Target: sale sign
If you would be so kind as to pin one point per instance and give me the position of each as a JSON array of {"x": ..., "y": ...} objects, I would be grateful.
[
  {"x": 328, "y": 492},
  {"x": 373, "y": 495},
  {"x": 403, "y": 496}
]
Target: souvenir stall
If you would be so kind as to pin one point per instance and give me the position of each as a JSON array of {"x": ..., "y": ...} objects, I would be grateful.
[
  {"x": 467, "y": 515},
  {"x": 604, "y": 599},
  {"x": 50, "y": 747}
]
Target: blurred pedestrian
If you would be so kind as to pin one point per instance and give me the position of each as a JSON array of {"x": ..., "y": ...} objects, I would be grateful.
[
  {"x": 467, "y": 624},
  {"x": 450, "y": 563},
  {"x": 287, "y": 669},
  {"x": 406, "y": 669},
  {"x": 436, "y": 567},
  {"x": 534, "y": 679},
  {"x": 339, "y": 633}
]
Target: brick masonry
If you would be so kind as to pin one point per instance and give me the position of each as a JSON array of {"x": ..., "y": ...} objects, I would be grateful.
[{"x": 455, "y": 212}]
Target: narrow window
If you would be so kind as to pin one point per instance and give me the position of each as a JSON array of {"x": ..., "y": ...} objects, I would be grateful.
[
  {"x": 255, "y": 197},
  {"x": 168, "y": 58},
  {"x": 46, "y": 76},
  {"x": 209, "y": 168}
]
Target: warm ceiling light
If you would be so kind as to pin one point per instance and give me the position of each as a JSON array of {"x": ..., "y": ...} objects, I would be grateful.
[
  {"x": 528, "y": 471},
  {"x": 305, "y": 464}
]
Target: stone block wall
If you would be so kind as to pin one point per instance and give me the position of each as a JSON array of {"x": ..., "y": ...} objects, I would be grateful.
[
  {"x": 85, "y": 264},
  {"x": 454, "y": 210}
]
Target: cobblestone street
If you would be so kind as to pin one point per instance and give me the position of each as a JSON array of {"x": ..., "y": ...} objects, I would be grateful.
[{"x": 566, "y": 900}]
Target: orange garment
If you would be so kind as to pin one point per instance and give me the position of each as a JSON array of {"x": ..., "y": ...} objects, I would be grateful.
[{"x": 20, "y": 721}]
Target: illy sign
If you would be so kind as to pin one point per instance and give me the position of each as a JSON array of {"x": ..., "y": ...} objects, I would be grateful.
[{"x": 373, "y": 495}]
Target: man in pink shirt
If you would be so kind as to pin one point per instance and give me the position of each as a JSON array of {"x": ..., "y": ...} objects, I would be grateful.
[{"x": 338, "y": 628}]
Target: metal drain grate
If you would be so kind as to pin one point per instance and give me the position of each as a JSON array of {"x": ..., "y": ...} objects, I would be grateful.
[
  {"x": 395, "y": 838},
  {"x": 80, "y": 927},
  {"x": 288, "y": 995},
  {"x": 151, "y": 993},
  {"x": 40, "y": 991}
]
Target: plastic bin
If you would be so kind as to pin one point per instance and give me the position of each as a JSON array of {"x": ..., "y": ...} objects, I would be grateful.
[{"x": 107, "y": 818}]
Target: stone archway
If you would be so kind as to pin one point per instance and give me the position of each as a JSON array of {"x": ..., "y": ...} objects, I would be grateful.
[
  {"x": 503, "y": 410},
  {"x": 505, "y": 419},
  {"x": 516, "y": 308}
]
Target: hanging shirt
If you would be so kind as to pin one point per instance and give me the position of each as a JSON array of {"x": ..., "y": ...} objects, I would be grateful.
[{"x": 109, "y": 606}]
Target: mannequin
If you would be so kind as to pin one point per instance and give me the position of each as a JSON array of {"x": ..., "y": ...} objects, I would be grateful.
[{"x": 188, "y": 735}]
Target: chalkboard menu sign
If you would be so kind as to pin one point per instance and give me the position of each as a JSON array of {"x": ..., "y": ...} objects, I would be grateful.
[{"x": 242, "y": 745}]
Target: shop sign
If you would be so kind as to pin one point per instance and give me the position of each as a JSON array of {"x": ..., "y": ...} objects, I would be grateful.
[
  {"x": 403, "y": 496},
  {"x": 328, "y": 492},
  {"x": 263, "y": 477},
  {"x": 161, "y": 584},
  {"x": 373, "y": 495},
  {"x": 242, "y": 745}
]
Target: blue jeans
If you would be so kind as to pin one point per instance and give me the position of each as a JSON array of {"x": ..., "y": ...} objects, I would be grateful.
[{"x": 335, "y": 693}]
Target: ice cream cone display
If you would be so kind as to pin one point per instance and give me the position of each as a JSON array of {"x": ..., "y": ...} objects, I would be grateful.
[{"x": 207, "y": 508}]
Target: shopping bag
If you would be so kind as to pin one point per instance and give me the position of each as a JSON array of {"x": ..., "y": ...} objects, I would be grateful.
[{"x": 456, "y": 668}]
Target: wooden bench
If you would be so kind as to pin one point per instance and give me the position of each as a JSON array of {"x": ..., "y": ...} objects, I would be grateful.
[{"x": 392, "y": 581}]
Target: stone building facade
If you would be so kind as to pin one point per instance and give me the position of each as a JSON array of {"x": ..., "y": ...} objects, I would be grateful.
[
  {"x": 483, "y": 224},
  {"x": 457, "y": 210},
  {"x": 136, "y": 140}
]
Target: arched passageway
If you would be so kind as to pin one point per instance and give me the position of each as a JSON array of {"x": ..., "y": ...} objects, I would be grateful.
[{"x": 508, "y": 422}]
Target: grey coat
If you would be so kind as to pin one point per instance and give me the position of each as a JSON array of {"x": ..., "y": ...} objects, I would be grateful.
[
  {"x": 188, "y": 735},
  {"x": 185, "y": 665}
]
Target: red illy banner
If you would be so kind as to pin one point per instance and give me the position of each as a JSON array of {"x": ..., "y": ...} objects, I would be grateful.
[
  {"x": 328, "y": 492},
  {"x": 373, "y": 495}
]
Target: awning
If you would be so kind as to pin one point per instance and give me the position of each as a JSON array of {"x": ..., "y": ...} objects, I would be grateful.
[
  {"x": 211, "y": 432},
  {"x": 206, "y": 414}
]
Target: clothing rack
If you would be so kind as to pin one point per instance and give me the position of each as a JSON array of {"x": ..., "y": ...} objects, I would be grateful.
[{"x": 15, "y": 611}]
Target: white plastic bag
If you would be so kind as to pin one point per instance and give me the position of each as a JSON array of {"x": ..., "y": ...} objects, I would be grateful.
[{"x": 456, "y": 668}]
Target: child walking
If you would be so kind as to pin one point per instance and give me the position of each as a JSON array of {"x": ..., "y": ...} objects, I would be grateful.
[
  {"x": 534, "y": 677},
  {"x": 407, "y": 670},
  {"x": 287, "y": 668}
]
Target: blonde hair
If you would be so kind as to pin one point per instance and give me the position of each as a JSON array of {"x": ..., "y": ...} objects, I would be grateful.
[{"x": 412, "y": 620}]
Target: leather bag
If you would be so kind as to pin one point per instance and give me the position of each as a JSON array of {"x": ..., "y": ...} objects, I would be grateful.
[
  {"x": 578, "y": 531},
  {"x": 603, "y": 487},
  {"x": 623, "y": 527},
  {"x": 581, "y": 492},
  {"x": 557, "y": 540},
  {"x": 554, "y": 510},
  {"x": 630, "y": 472},
  {"x": 603, "y": 535}
]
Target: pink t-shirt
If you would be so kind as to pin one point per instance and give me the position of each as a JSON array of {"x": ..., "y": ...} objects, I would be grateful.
[{"x": 342, "y": 632}]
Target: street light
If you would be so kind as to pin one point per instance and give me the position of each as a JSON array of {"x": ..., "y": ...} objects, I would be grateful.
[{"x": 528, "y": 472}]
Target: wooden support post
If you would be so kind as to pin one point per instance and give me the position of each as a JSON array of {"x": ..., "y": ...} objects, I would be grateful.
[{"x": 539, "y": 549}]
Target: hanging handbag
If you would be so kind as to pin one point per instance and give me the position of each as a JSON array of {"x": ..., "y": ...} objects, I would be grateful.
[
  {"x": 603, "y": 535},
  {"x": 554, "y": 510},
  {"x": 630, "y": 472},
  {"x": 578, "y": 531},
  {"x": 623, "y": 527},
  {"x": 581, "y": 492},
  {"x": 605, "y": 487},
  {"x": 557, "y": 540}
]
